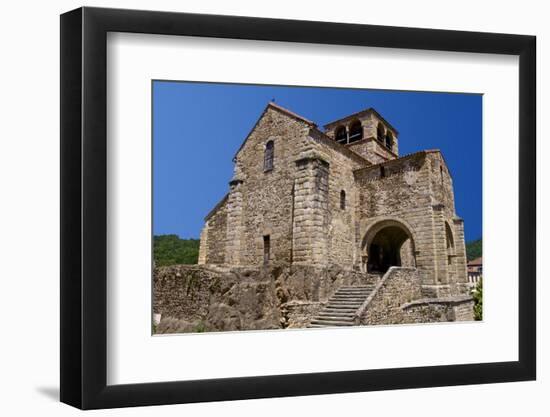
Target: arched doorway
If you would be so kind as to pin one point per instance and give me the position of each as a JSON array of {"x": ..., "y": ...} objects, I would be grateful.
[{"x": 386, "y": 244}]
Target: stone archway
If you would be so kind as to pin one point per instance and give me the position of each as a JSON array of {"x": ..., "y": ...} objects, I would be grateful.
[{"x": 388, "y": 243}]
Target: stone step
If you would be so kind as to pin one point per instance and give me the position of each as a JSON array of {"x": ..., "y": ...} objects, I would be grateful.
[
  {"x": 339, "y": 302},
  {"x": 342, "y": 306},
  {"x": 332, "y": 322},
  {"x": 330, "y": 317},
  {"x": 349, "y": 297},
  {"x": 365, "y": 288},
  {"x": 335, "y": 318},
  {"x": 362, "y": 287},
  {"x": 345, "y": 304},
  {"x": 336, "y": 313},
  {"x": 358, "y": 287}
]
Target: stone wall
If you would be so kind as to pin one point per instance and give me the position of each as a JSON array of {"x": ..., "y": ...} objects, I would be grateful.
[
  {"x": 213, "y": 236},
  {"x": 371, "y": 149},
  {"x": 407, "y": 191},
  {"x": 400, "y": 190},
  {"x": 398, "y": 301},
  {"x": 267, "y": 202},
  {"x": 450, "y": 248},
  {"x": 455, "y": 308},
  {"x": 298, "y": 314},
  {"x": 310, "y": 214},
  {"x": 397, "y": 287},
  {"x": 196, "y": 298}
]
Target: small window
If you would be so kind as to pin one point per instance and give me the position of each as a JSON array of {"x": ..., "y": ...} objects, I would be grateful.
[
  {"x": 342, "y": 200},
  {"x": 380, "y": 132},
  {"x": 341, "y": 135},
  {"x": 441, "y": 173},
  {"x": 389, "y": 140},
  {"x": 268, "y": 155},
  {"x": 267, "y": 248},
  {"x": 382, "y": 171},
  {"x": 355, "y": 132}
]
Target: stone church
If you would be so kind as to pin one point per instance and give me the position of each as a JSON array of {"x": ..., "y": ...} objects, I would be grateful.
[
  {"x": 341, "y": 195},
  {"x": 321, "y": 228}
]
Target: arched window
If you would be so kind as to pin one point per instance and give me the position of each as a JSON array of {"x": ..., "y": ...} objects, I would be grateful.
[
  {"x": 389, "y": 140},
  {"x": 450, "y": 244},
  {"x": 380, "y": 132},
  {"x": 268, "y": 155},
  {"x": 355, "y": 131},
  {"x": 342, "y": 200},
  {"x": 449, "y": 236},
  {"x": 341, "y": 135}
]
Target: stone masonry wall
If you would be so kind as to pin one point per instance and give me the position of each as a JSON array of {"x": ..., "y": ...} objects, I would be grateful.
[
  {"x": 212, "y": 245},
  {"x": 273, "y": 202},
  {"x": 450, "y": 250},
  {"x": 400, "y": 190},
  {"x": 455, "y": 308},
  {"x": 310, "y": 211},
  {"x": 196, "y": 298},
  {"x": 407, "y": 190},
  {"x": 267, "y": 201},
  {"x": 398, "y": 301},
  {"x": 371, "y": 149},
  {"x": 398, "y": 286}
]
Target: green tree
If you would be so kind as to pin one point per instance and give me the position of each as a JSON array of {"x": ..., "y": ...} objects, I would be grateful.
[
  {"x": 474, "y": 249},
  {"x": 477, "y": 293},
  {"x": 171, "y": 250}
]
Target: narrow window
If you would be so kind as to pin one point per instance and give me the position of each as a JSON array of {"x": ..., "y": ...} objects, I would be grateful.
[
  {"x": 355, "y": 132},
  {"x": 382, "y": 171},
  {"x": 389, "y": 140},
  {"x": 268, "y": 155},
  {"x": 341, "y": 135},
  {"x": 380, "y": 132},
  {"x": 267, "y": 249},
  {"x": 441, "y": 172},
  {"x": 342, "y": 200}
]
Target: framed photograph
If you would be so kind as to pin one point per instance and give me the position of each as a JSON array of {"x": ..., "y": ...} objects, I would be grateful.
[{"x": 259, "y": 208}]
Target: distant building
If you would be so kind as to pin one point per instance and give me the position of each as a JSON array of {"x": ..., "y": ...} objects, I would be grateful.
[{"x": 475, "y": 271}]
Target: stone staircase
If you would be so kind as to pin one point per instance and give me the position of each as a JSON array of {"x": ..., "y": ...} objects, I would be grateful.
[{"x": 342, "y": 306}]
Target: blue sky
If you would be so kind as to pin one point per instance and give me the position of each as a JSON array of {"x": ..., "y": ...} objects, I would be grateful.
[{"x": 198, "y": 127}]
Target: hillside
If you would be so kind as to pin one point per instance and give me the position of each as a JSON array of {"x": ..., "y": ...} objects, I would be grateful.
[
  {"x": 172, "y": 250},
  {"x": 474, "y": 249}
]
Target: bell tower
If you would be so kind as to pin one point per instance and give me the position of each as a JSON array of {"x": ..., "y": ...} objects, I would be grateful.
[{"x": 366, "y": 133}]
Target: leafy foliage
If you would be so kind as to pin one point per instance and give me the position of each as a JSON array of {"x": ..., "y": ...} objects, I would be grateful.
[
  {"x": 474, "y": 249},
  {"x": 477, "y": 294},
  {"x": 171, "y": 250}
]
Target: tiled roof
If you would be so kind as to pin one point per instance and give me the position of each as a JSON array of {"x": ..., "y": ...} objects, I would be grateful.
[{"x": 476, "y": 261}]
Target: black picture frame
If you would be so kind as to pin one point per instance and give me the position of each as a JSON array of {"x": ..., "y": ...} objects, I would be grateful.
[{"x": 84, "y": 207}]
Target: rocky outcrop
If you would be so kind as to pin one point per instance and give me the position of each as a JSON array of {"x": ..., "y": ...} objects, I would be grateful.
[{"x": 197, "y": 298}]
